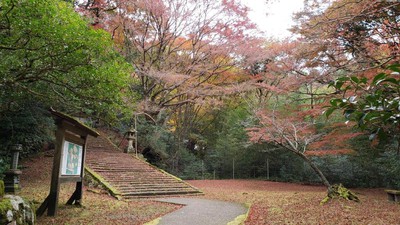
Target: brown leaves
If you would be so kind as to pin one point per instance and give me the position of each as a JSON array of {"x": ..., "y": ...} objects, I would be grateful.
[
  {"x": 286, "y": 203},
  {"x": 97, "y": 208}
]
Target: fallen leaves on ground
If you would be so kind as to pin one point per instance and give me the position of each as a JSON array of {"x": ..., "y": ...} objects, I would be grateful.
[
  {"x": 98, "y": 207},
  {"x": 271, "y": 202},
  {"x": 285, "y": 203}
]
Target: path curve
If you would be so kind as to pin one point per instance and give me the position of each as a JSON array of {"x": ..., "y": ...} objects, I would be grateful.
[{"x": 202, "y": 212}]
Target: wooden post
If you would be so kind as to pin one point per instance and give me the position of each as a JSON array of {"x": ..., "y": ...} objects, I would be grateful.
[
  {"x": 202, "y": 169},
  {"x": 76, "y": 197},
  {"x": 55, "y": 184},
  {"x": 233, "y": 168}
]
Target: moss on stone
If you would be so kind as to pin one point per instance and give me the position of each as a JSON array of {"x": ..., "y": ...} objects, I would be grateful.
[
  {"x": 33, "y": 207},
  {"x": 16, "y": 210},
  {"x": 339, "y": 191},
  {"x": 239, "y": 220},
  {"x": 5, "y": 206},
  {"x": 114, "y": 192},
  {"x": 154, "y": 222}
]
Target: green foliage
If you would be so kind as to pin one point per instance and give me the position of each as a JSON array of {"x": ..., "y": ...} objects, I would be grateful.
[
  {"x": 389, "y": 169},
  {"x": 337, "y": 168},
  {"x": 226, "y": 143},
  {"x": 155, "y": 141},
  {"x": 369, "y": 167},
  {"x": 5, "y": 162},
  {"x": 227, "y": 140},
  {"x": 374, "y": 105},
  {"x": 48, "y": 51},
  {"x": 193, "y": 167},
  {"x": 30, "y": 125}
]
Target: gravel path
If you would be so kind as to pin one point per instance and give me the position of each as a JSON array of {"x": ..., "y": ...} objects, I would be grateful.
[{"x": 201, "y": 212}]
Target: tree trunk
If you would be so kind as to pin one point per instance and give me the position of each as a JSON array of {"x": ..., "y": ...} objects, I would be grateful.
[
  {"x": 333, "y": 190},
  {"x": 315, "y": 168}
]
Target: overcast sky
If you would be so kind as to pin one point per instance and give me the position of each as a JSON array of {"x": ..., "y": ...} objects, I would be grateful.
[{"x": 279, "y": 17}]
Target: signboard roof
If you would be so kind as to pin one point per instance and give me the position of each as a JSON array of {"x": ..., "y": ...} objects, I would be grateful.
[{"x": 74, "y": 122}]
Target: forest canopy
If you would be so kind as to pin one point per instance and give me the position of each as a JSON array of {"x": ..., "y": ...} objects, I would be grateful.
[
  {"x": 50, "y": 57},
  {"x": 50, "y": 54}
]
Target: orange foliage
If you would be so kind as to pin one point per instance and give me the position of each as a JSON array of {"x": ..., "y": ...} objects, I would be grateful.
[
  {"x": 329, "y": 152},
  {"x": 335, "y": 142},
  {"x": 352, "y": 36}
]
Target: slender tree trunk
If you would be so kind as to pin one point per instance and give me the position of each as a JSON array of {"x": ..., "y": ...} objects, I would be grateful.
[
  {"x": 314, "y": 167},
  {"x": 333, "y": 190}
]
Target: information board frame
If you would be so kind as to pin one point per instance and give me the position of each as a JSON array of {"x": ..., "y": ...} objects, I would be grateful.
[{"x": 69, "y": 131}]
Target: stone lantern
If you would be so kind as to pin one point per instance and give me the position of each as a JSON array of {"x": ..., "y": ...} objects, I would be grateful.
[
  {"x": 130, "y": 136},
  {"x": 11, "y": 180}
]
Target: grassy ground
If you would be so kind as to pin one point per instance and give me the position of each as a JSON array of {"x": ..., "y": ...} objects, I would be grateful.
[
  {"x": 283, "y": 203},
  {"x": 271, "y": 202}
]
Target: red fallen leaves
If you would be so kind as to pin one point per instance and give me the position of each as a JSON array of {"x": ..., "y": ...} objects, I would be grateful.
[
  {"x": 271, "y": 202},
  {"x": 285, "y": 203}
]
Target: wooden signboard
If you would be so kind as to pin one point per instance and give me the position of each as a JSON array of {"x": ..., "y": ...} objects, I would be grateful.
[{"x": 69, "y": 160}]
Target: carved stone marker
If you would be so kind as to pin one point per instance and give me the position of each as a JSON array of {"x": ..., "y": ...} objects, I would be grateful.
[
  {"x": 130, "y": 136},
  {"x": 11, "y": 179}
]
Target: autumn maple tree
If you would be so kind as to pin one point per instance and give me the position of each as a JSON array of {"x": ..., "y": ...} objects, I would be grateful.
[
  {"x": 188, "y": 56},
  {"x": 353, "y": 44},
  {"x": 335, "y": 38},
  {"x": 182, "y": 51},
  {"x": 348, "y": 35},
  {"x": 289, "y": 132}
]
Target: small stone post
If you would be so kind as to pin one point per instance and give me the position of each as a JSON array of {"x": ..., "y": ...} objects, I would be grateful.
[
  {"x": 1, "y": 189},
  {"x": 130, "y": 136},
  {"x": 11, "y": 180}
]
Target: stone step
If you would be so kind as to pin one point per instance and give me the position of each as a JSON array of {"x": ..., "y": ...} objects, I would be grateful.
[
  {"x": 106, "y": 170},
  {"x": 127, "y": 168},
  {"x": 128, "y": 185},
  {"x": 135, "y": 175},
  {"x": 157, "y": 192},
  {"x": 142, "y": 181},
  {"x": 129, "y": 175},
  {"x": 118, "y": 166},
  {"x": 160, "y": 188}
]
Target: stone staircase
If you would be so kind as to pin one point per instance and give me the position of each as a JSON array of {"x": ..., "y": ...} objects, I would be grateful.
[{"x": 129, "y": 177}]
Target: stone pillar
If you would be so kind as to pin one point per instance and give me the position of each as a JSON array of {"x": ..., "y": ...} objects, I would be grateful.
[{"x": 11, "y": 180}]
